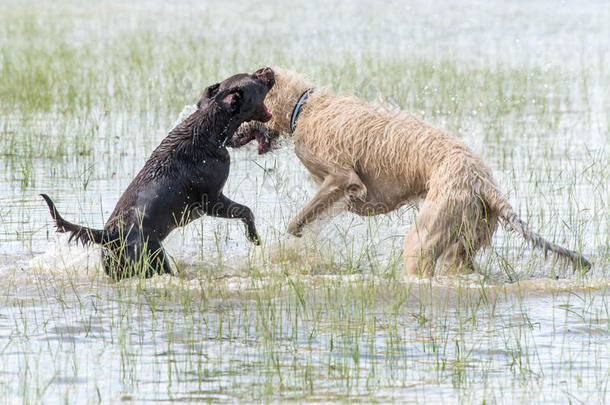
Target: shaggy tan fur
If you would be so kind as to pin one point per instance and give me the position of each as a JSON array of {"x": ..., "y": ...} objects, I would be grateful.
[{"x": 380, "y": 159}]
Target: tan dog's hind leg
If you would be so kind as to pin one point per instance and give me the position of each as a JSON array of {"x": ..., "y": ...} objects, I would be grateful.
[
  {"x": 424, "y": 242},
  {"x": 453, "y": 230},
  {"x": 440, "y": 229},
  {"x": 457, "y": 259},
  {"x": 475, "y": 231}
]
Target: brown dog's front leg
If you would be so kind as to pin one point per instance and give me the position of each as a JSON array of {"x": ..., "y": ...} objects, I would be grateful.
[
  {"x": 329, "y": 193},
  {"x": 223, "y": 207}
]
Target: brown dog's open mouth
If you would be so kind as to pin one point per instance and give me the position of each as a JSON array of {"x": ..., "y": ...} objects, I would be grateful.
[
  {"x": 264, "y": 136},
  {"x": 267, "y": 113}
]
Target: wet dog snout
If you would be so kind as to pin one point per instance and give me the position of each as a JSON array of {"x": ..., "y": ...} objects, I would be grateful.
[{"x": 267, "y": 74}]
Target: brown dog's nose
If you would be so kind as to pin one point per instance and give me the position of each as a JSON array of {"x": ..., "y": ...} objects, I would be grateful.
[
  {"x": 263, "y": 71},
  {"x": 266, "y": 73}
]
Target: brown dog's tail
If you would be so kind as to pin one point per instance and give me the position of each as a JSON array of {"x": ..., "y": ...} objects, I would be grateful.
[
  {"x": 505, "y": 211},
  {"x": 79, "y": 233}
]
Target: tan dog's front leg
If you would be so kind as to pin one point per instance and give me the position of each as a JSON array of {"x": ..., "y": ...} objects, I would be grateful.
[
  {"x": 337, "y": 182},
  {"x": 329, "y": 193}
]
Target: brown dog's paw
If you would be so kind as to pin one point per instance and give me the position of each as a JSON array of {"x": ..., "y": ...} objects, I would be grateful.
[{"x": 265, "y": 137}]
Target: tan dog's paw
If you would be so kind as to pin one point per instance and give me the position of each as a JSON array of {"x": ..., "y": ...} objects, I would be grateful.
[{"x": 295, "y": 229}]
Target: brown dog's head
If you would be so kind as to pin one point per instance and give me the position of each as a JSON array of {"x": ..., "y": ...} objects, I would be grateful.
[
  {"x": 281, "y": 99},
  {"x": 242, "y": 95}
]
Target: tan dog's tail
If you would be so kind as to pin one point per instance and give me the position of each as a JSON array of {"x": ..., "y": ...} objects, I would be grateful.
[{"x": 505, "y": 211}]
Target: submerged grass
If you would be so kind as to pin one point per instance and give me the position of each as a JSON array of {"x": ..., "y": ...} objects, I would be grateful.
[
  {"x": 86, "y": 92},
  {"x": 294, "y": 339}
]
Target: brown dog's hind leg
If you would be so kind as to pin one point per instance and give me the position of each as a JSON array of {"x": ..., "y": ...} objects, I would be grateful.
[{"x": 135, "y": 258}]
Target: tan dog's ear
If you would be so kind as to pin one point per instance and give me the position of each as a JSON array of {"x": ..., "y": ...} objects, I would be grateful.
[{"x": 207, "y": 95}]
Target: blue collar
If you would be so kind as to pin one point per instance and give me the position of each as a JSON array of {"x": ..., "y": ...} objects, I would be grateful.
[{"x": 297, "y": 107}]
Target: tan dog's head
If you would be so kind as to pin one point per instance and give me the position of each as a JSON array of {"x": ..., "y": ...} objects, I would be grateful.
[{"x": 280, "y": 100}]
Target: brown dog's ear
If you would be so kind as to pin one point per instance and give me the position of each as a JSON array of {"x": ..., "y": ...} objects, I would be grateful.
[
  {"x": 207, "y": 95},
  {"x": 229, "y": 100}
]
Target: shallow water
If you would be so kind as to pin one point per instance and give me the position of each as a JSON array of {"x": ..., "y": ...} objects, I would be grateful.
[{"x": 329, "y": 317}]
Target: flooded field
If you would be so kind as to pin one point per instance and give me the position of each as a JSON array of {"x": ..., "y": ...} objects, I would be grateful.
[{"x": 86, "y": 93}]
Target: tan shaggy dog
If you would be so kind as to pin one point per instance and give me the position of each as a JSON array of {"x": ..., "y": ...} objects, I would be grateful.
[{"x": 378, "y": 160}]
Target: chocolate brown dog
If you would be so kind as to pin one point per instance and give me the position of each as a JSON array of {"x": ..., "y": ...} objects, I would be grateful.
[{"x": 181, "y": 181}]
